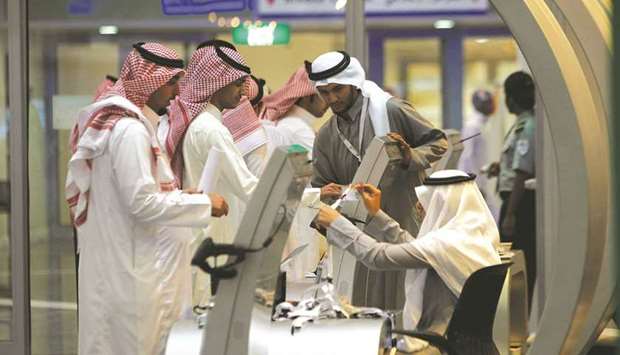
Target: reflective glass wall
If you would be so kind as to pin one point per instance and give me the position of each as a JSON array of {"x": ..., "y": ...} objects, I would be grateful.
[
  {"x": 6, "y": 294},
  {"x": 412, "y": 71}
]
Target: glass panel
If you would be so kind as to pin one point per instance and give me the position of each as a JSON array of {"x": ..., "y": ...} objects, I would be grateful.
[
  {"x": 6, "y": 294},
  {"x": 63, "y": 74},
  {"x": 413, "y": 71},
  {"x": 488, "y": 61}
]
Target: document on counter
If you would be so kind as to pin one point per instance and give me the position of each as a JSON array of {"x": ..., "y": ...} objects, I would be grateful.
[{"x": 211, "y": 171}]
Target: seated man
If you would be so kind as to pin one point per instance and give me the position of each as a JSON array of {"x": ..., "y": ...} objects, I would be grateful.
[{"x": 457, "y": 237}]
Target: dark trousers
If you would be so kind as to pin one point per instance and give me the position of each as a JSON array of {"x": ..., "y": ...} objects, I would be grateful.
[{"x": 525, "y": 233}]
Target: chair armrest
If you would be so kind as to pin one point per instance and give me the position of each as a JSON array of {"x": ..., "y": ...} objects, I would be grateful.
[{"x": 432, "y": 338}]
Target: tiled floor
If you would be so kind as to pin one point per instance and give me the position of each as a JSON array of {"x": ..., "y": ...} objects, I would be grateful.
[{"x": 53, "y": 294}]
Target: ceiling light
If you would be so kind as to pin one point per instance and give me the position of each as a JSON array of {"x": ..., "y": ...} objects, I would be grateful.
[
  {"x": 443, "y": 24},
  {"x": 108, "y": 30},
  {"x": 212, "y": 17},
  {"x": 235, "y": 22}
]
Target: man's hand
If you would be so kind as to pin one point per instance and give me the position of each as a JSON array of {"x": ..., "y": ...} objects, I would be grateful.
[
  {"x": 493, "y": 170},
  {"x": 371, "y": 197},
  {"x": 509, "y": 225},
  {"x": 326, "y": 216},
  {"x": 404, "y": 147},
  {"x": 331, "y": 190},
  {"x": 219, "y": 207}
]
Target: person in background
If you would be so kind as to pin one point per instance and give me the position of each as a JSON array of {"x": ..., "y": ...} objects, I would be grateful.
[
  {"x": 294, "y": 108},
  {"x": 518, "y": 164},
  {"x": 289, "y": 113},
  {"x": 104, "y": 86},
  {"x": 474, "y": 155}
]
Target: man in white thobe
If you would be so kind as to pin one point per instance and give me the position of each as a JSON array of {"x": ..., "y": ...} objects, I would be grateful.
[
  {"x": 475, "y": 154},
  {"x": 215, "y": 79},
  {"x": 292, "y": 110},
  {"x": 121, "y": 193},
  {"x": 458, "y": 236}
]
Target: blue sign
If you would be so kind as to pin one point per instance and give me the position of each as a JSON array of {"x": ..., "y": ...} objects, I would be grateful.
[
  {"x": 379, "y": 8},
  {"x": 80, "y": 7},
  {"x": 200, "y": 7}
]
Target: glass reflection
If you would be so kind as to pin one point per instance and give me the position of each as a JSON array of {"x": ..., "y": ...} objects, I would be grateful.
[{"x": 6, "y": 293}]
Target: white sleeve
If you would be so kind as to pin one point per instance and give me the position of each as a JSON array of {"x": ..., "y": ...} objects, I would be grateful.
[
  {"x": 374, "y": 254},
  {"x": 131, "y": 162},
  {"x": 234, "y": 170}
]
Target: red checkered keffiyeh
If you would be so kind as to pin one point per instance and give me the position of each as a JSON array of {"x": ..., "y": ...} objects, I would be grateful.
[
  {"x": 210, "y": 69},
  {"x": 104, "y": 86},
  {"x": 245, "y": 126},
  {"x": 140, "y": 77},
  {"x": 280, "y": 102}
]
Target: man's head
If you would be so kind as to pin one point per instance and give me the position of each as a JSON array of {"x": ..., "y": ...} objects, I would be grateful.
[
  {"x": 339, "y": 97},
  {"x": 298, "y": 90},
  {"x": 483, "y": 102},
  {"x": 230, "y": 95},
  {"x": 313, "y": 104},
  {"x": 520, "y": 92},
  {"x": 338, "y": 78},
  {"x": 159, "y": 100},
  {"x": 451, "y": 199},
  {"x": 215, "y": 74},
  {"x": 149, "y": 76}
]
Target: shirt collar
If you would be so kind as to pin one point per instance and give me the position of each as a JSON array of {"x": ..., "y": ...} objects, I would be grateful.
[
  {"x": 354, "y": 111},
  {"x": 150, "y": 115},
  {"x": 213, "y": 111},
  {"x": 302, "y": 113}
]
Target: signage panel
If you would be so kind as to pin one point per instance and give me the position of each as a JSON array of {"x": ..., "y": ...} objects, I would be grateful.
[
  {"x": 298, "y": 8},
  {"x": 200, "y": 7}
]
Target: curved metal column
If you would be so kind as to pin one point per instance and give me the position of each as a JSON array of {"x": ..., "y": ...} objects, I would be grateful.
[
  {"x": 588, "y": 26},
  {"x": 578, "y": 137}
]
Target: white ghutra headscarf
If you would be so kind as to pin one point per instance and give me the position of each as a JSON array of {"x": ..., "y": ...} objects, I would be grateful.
[{"x": 340, "y": 68}]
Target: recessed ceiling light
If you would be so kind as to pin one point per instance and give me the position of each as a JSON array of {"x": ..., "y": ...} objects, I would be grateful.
[
  {"x": 443, "y": 24},
  {"x": 108, "y": 30}
]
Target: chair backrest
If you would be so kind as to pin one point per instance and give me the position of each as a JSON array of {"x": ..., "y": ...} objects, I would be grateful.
[{"x": 475, "y": 309}]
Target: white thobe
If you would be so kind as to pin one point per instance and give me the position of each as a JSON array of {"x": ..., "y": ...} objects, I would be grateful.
[
  {"x": 235, "y": 183},
  {"x": 163, "y": 127},
  {"x": 131, "y": 275},
  {"x": 474, "y": 155},
  {"x": 296, "y": 125},
  {"x": 296, "y": 128}
]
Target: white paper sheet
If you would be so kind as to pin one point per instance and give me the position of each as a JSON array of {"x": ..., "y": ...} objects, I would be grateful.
[{"x": 211, "y": 171}]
